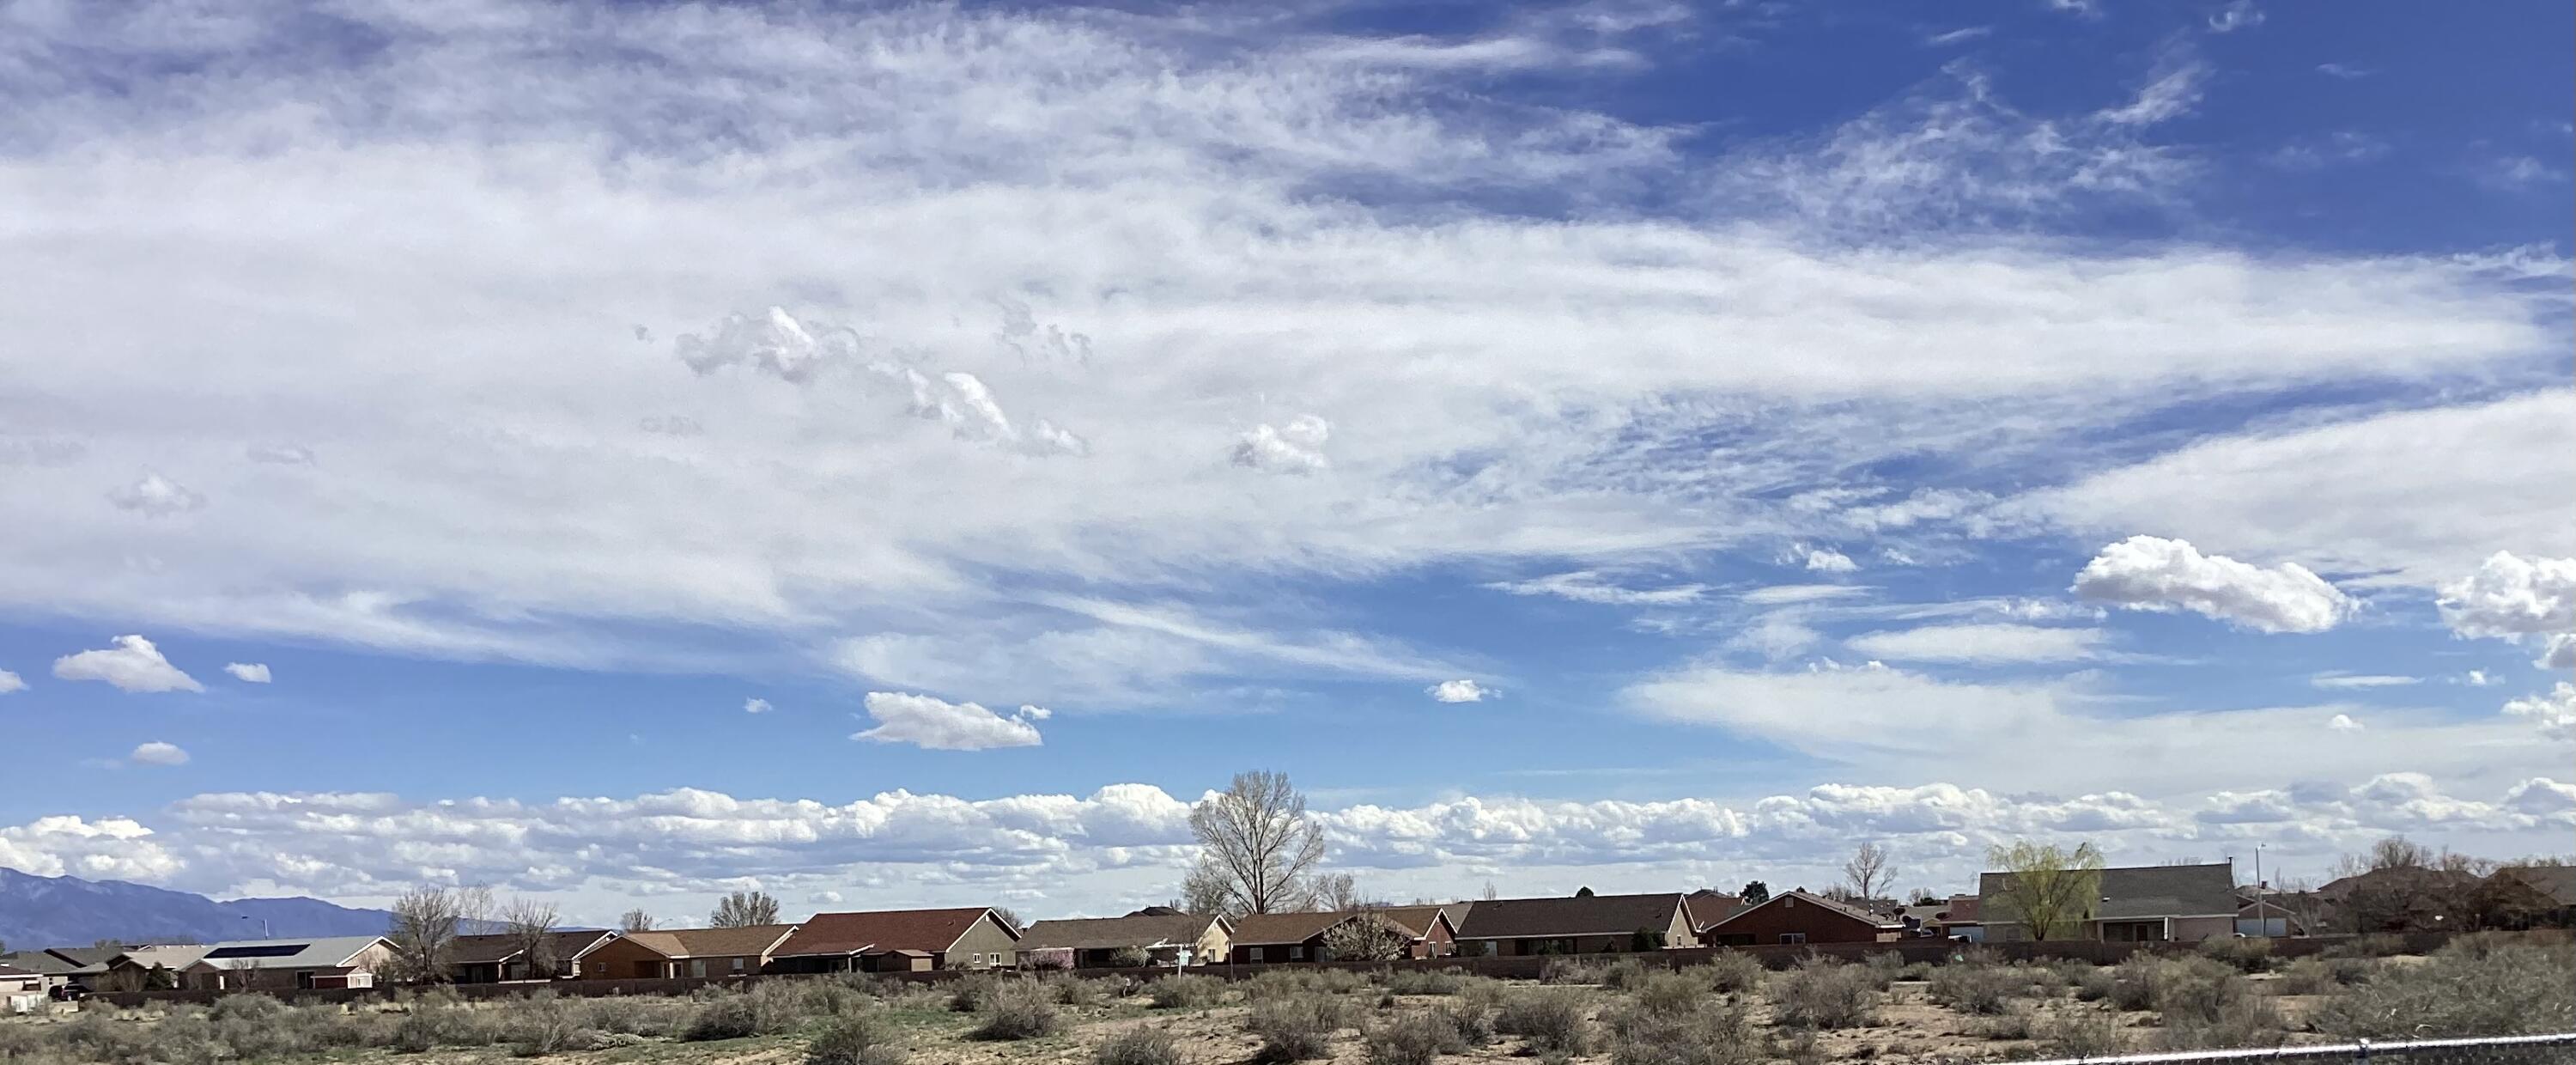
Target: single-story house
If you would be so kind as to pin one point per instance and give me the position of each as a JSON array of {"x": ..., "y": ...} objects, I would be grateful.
[
  {"x": 499, "y": 958},
  {"x": 328, "y": 961},
  {"x": 148, "y": 968},
  {"x": 895, "y": 940},
  {"x": 88, "y": 965},
  {"x": 1960, "y": 919},
  {"x": 2526, "y": 896},
  {"x": 1708, "y": 906},
  {"x": 21, "y": 990},
  {"x": 690, "y": 952},
  {"x": 1579, "y": 924},
  {"x": 1434, "y": 934},
  {"x": 53, "y": 969},
  {"x": 2137, "y": 904},
  {"x": 1799, "y": 916},
  {"x": 2405, "y": 899},
  {"x": 1160, "y": 932},
  {"x": 1274, "y": 937}
]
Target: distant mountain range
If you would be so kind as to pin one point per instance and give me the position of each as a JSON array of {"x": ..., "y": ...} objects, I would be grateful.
[{"x": 66, "y": 911}]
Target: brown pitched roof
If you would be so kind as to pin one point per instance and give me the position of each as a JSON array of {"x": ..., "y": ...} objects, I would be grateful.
[
  {"x": 1277, "y": 929},
  {"x": 882, "y": 930},
  {"x": 2556, "y": 881},
  {"x": 1784, "y": 900},
  {"x": 1965, "y": 909},
  {"x": 1416, "y": 919},
  {"x": 1581, "y": 915},
  {"x": 1707, "y": 907},
  {"x": 744, "y": 942},
  {"x": 1110, "y": 933},
  {"x": 496, "y": 947}
]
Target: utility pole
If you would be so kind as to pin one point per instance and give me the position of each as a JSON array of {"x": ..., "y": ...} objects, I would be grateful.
[{"x": 264, "y": 932}]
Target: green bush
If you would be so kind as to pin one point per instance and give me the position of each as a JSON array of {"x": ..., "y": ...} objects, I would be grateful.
[
  {"x": 1296, "y": 1027},
  {"x": 1139, "y": 1046},
  {"x": 544, "y": 1024},
  {"x": 1819, "y": 993},
  {"x": 1418, "y": 1039},
  {"x": 1985, "y": 990},
  {"x": 729, "y": 1016},
  {"x": 2511, "y": 989},
  {"x": 1549, "y": 1021},
  {"x": 854, "y": 1039},
  {"x": 440, "y": 1019},
  {"x": 1017, "y": 1009},
  {"x": 1186, "y": 992}
]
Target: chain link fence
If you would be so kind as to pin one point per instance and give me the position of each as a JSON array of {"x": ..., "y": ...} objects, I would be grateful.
[{"x": 2488, "y": 1050}]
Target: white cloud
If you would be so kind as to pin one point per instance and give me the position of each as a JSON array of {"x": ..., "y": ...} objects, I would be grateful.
[
  {"x": 1788, "y": 594},
  {"x": 156, "y": 496},
  {"x": 11, "y": 682},
  {"x": 755, "y": 706},
  {"x": 2344, "y": 71},
  {"x": 1828, "y": 560},
  {"x": 279, "y": 454},
  {"x": 938, "y": 725},
  {"x": 2341, "y": 680},
  {"x": 1961, "y": 35},
  {"x": 2237, "y": 15},
  {"x": 133, "y": 665},
  {"x": 1459, "y": 691},
  {"x": 2479, "y": 678},
  {"x": 2153, "y": 573},
  {"x": 2525, "y": 600},
  {"x": 1980, "y": 644},
  {"x": 159, "y": 753},
  {"x": 2170, "y": 96},
  {"x": 248, "y": 672},
  {"x": 1589, "y": 586},
  {"x": 2561, "y": 653},
  {"x": 1297, "y": 448},
  {"x": 2554, "y": 712},
  {"x": 112, "y": 848},
  {"x": 2343, "y": 723}
]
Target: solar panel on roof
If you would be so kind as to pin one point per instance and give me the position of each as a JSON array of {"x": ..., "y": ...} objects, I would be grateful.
[{"x": 260, "y": 950}]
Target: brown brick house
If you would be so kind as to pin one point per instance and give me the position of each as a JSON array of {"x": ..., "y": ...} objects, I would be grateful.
[
  {"x": 898, "y": 940},
  {"x": 687, "y": 952},
  {"x": 1581, "y": 924},
  {"x": 1274, "y": 937},
  {"x": 496, "y": 958},
  {"x": 1159, "y": 933},
  {"x": 1801, "y": 917},
  {"x": 1433, "y": 934}
]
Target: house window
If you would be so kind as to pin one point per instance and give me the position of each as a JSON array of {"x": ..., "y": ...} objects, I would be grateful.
[
  {"x": 1252, "y": 954},
  {"x": 697, "y": 967},
  {"x": 1793, "y": 937},
  {"x": 737, "y": 966},
  {"x": 1297, "y": 953}
]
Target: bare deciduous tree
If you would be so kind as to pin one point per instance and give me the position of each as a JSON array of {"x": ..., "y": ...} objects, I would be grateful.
[
  {"x": 2050, "y": 890},
  {"x": 743, "y": 909},
  {"x": 528, "y": 923},
  {"x": 1007, "y": 916},
  {"x": 1367, "y": 937},
  {"x": 635, "y": 920},
  {"x": 1256, "y": 844},
  {"x": 1338, "y": 892},
  {"x": 424, "y": 927},
  {"x": 1868, "y": 871}
]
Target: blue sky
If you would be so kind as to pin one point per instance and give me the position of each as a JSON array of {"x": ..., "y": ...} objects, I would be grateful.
[{"x": 1625, "y": 444}]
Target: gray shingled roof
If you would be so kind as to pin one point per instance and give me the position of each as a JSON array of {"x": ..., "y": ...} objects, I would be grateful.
[
  {"x": 2137, "y": 893},
  {"x": 2556, "y": 881},
  {"x": 1111, "y": 933},
  {"x": 1592, "y": 915},
  {"x": 326, "y": 952}
]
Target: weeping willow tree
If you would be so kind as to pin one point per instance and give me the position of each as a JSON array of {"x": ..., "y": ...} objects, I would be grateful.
[{"x": 2050, "y": 890}]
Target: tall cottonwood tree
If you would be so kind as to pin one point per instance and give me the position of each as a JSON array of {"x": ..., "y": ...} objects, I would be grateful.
[
  {"x": 1868, "y": 871},
  {"x": 743, "y": 909},
  {"x": 635, "y": 920},
  {"x": 424, "y": 929},
  {"x": 1257, "y": 847},
  {"x": 530, "y": 923},
  {"x": 2049, "y": 890}
]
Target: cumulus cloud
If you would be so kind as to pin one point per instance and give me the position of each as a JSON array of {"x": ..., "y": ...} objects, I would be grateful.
[
  {"x": 248, "y": 672},
  {"x": 11, "y": 682},
  {"x": 1828, "y": 560},
  {"x": 938, "y": 725},
  {"x": 2529, "y": 601},
  {"x": 156, "y": 496},
  {"x": 2343, "y": 723},
  {"x": 1459, "y": 691},
  {"x": 1980, "y": 644},
  {"x": 113, "y": 848},
  {"x": 755, "y": 706},
  {"x": 2554, "y": 712},
  {"x": 158, "y": 753},
  {"x": 1294, "y": 448},
  {"x": 133, "y": 665},
  {"x": 2153, "y": 573}
]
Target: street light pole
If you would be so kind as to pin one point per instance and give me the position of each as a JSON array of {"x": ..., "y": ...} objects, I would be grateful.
[{"x": 264, "y": 932}]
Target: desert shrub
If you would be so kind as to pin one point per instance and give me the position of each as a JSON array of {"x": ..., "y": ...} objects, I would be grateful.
[
  {"x": 967, "y": 994},
  {"x": 1672, "y": 992},
  {"x": 1627, "y": 974},
  {"x": 1187, "y": 992},
  {"x": 1075, "y": 990},
  {"x": 1550, "y": 1021},
  {"x": 1733, "y": 972},
  {"x": 2082, "y": 1034},
  {"x": 1917, "y": 971},
  {"x": 1017, "y": 1009},
  {"x": 1980, "y": 989},
  {"x": 1422, "y": 982},
  {"x": 2015, "y": 1021},
  {"x": 2250, "y": 954},
  {"x": 96, "y": 1036},
  {"x": 1818, "y": 993},
  {"x": 1418, "y": 1039},
  {"x": 1296, "y": 1027},
  {"x": 808, "y": 998},
  {"x": 854, "y": 1039},
  {"x": 2323, "y": 975},
  {"x": 1139, "y": 1046},
  {"x": 439, "y": 1019},
  {"x": 2511, "y": 989},
  {"x": 1883, "y": 968},
  {"x": 1569, "y": 971},
  {"x": 1333, "y": 981},
  {"x": 547, "y": 1025},
  {"x": 2206, "y": 1004},
  {"x": 2374, "y": 945},
  {"x": 255, "y": 1027},
  {"x": 1473, "y": 1020},
  {"x": 727, "y": 1016},
  {"x": 2096, "y": 984},
  {"x": 1714, "y": 1031},
  {"x": 917, "y": 998},
  {"x": 1130, "y": 958},
  {"x": 1289, "y": 983},
  {"x": 2139, "y": 982},
  {"x": 636, "y": 1015}
]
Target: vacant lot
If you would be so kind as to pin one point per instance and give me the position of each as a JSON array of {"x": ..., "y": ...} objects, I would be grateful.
[{"x": 1623, "y": 1013}]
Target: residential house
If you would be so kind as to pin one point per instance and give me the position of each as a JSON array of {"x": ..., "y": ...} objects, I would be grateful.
[
  {"x": 499, "y": 958},
  {"x": 2138, "y": 904},
  {"x": 328, "y": 961},
  {"x": 1580, "y": 924},
  {"x": 898, "y": 940},
  {"x": 1434, "y": 934},
  {"x": 2404, "y": 899},
  {"x": 148, "y": 968},
  {"x": 53, "y": 969},
  {"x": 1708, "y": 906},
  {"x": 21, "y": 990},
  {"x": 1960, "y": 919},
  {"x": 88, "y": 965},
  {"x": 1159, "y": 933},
  {"x": 2264, "y": 913},
  {"x": 1276, "y": 937},
  {"x": 690, "y": 952},
  {"x": 2554, "y": 887},
  {"x": 1799, "y": 916}
]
